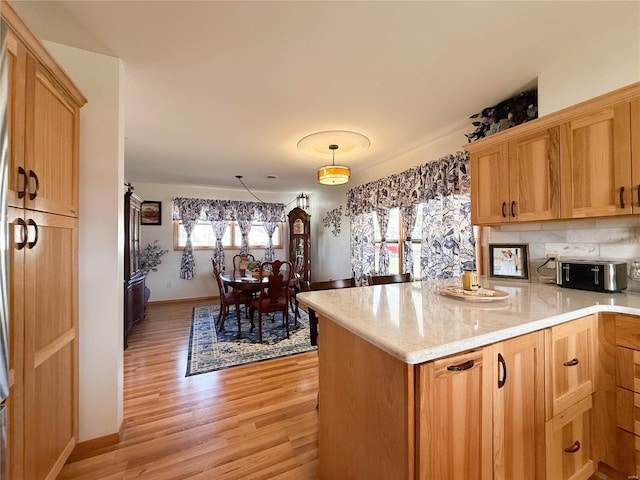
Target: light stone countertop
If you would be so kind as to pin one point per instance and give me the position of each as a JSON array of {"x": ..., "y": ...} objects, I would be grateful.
[{"x": 415, "y": 323}]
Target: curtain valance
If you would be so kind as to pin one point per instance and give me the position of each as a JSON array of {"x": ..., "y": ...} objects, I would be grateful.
[
  {"x": 213, "y": 210},
  {"x": 445, "y": 176}
]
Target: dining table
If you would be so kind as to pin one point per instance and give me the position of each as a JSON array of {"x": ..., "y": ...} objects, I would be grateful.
[{"x": 245, "y": 283}]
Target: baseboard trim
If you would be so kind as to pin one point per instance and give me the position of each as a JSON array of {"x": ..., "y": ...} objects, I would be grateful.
[
  {"x": 87, "y": 448},
  {"x": 183, "y": 300}
]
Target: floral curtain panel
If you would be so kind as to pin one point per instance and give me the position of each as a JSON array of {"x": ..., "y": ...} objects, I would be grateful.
[
  {"x": 448, "y": 244},
  {"x": 383, "y": 224},
  {"x": 219, "y": 213},
  {"x": 362, "y": 246},
  {"x": 432, "y": 181}
]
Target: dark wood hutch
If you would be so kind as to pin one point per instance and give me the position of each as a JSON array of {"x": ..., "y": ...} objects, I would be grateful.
[{"x": 134, "y": 301}]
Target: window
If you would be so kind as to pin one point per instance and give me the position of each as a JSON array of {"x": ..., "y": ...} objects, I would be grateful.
[{"x": 202, "y": 237}]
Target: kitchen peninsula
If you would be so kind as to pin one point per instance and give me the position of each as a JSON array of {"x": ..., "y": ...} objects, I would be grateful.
[{"x": 414, "y": 384}]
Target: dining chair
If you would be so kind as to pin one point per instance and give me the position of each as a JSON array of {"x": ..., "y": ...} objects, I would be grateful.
[
  {"x": 274, "y": 294},
  {"x": 393, "y": 278},
  {"x": 226, "y": 300},
  {"x": 324, "y": 285},
  {"x": 240, "y": 260}
]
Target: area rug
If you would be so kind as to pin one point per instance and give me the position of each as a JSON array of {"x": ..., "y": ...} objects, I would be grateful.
[{"x": 211, "y": 350}]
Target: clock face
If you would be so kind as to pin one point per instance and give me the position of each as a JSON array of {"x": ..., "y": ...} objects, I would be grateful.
[{"x": 298, "y": 227}]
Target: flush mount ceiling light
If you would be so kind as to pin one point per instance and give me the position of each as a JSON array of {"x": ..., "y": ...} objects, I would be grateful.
[{"x": 325, "y": 144}]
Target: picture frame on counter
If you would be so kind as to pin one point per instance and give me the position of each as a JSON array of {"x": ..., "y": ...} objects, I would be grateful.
[{"x": 509, "y": 260}]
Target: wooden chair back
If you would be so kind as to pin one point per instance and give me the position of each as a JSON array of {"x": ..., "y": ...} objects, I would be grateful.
[
  {"x": 328, "y": 284},
  {"x": 216, "y": 275},
  {"x": 394, "y": 278},
  {"x": 279, "y": 283},
  {"x": 240, "y": 261}
]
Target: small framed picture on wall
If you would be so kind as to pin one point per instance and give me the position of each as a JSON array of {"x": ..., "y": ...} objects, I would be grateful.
[
  {"x": 151, "y": 213},
  {"x": 509, "y": 261}
]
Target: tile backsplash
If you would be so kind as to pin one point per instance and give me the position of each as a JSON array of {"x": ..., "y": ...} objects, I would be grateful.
[{"x": 601, "y": 239}]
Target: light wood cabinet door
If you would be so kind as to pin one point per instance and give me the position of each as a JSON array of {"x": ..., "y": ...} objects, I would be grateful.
[
  {"x": 570, "y": 364},
  {"x": 51, "y": 154},
  {"x": 628, "y": 369},
  {"x": 450, "y": 411},
  {"x": 15, "y": 257},
  {"x": 534, "y": 190},
  {"x": 595, "y": 160},
  {"x": 517, "y": 387},
  {"x": 50, "y": 358},
  {"x": 490, "y": 185},
  {"x": 628, "y": 410},
  {"x": 569, "y": 447},
  {"x": 635, "y": 155}
]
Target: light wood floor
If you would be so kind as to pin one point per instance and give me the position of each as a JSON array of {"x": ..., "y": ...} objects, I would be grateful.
[{"x": 252, "y": 422}]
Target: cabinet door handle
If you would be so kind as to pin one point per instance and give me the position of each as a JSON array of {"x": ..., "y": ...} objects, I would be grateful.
[
  {"x": 504, "y": 209},
  {"x": 513, "y": 208},
  {"x": 34, "y": 194},
  {"x": 461, "y": 366},
  {"x": 573, "y": 448},
  {"x": 32, "y": 223},
  {"x": 639, "y": 194},
  {"x": 621, "y": 197},
  {"x": 571, "y": 363},
  {"x": 23, "y": 190},
  {"x": 23, "y": 235},
  {"x": 501, "y": 362}
]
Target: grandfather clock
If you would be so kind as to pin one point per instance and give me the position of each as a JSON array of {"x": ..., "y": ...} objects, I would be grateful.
[{"x": 300, "y": 240}]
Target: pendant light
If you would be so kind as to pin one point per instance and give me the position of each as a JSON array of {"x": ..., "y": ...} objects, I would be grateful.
[{"x": 333, "y": 174}]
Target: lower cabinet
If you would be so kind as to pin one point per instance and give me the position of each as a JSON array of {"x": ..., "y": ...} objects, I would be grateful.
[
  {"x": 569, "y": 437},
  {"x": 481, "y": 413}
]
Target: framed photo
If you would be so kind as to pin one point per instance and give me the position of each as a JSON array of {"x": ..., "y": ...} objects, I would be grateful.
[
  {"x": 509, "y": 261},
  {"x": 151, "y": 213}
]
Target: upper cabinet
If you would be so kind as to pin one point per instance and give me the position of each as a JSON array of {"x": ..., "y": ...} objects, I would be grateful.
[
  {"x": 596, "y": 163},
  {"x": 516, "y": 181},
  {"x": 580, "y": 162}
]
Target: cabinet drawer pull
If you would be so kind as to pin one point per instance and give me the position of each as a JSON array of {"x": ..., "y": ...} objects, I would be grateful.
[
  {"x": 504, "y": 209},
  {"x": 571, "y": 363},
  {"x": 573, "y": 448},
  {"x": 35, "y": 192},
  {"x": 461, "y": 366},
  {"x": 31, "y": 223},
  {"x": 24, "y": 234},
  {"x": 513, "y": 208},
  {"x": 501, "y": 362},
  {"x": 23, "y": 174},
  {"x": 621, "y": 197},
  {"x": 639, "y": 194}
]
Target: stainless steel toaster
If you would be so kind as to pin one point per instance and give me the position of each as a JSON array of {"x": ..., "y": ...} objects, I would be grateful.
[{"x": 598, "y": 276}]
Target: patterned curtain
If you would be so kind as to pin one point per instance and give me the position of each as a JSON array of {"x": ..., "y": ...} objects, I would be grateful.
[
  {"x": 219, "y": 227},
  {"x": 362, "y": 246},
  {"x": 448, "y": 244},
  {"x": 383, "y": 223},
  {"x": 269, "y": 252},
  {"x": 189, "y": 210},
  {"x": 408, "y": 215}
]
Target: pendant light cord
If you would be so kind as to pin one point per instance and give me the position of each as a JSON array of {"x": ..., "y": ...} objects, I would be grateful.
[{"x": 239, "y": 177}]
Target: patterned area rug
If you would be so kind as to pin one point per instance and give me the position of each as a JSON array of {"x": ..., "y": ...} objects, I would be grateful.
[{"x": 211, "y": 350}]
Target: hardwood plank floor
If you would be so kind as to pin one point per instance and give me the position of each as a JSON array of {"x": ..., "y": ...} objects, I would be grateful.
[{"x": 251, "y": 422}]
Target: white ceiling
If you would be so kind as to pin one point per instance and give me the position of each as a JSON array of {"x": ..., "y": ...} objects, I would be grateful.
[{"x": 219, "y": 89}]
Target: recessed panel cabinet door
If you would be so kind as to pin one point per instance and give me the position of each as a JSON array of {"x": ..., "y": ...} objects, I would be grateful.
[
  {"x": 595, "y": 155},
  {"x": 450, "y": 416},
  {"x": 51, "y": 158},
  {"x": 490, "y": 186},
  {"x": 50, "y": 362},
  {"x": 534, "y": 177},
  {"x": 635, "y": 155}
]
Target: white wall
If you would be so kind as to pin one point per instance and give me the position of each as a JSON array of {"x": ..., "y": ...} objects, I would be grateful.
[
  {"x": 100, "y": 238},
  {"x": 166, "y": 284}
]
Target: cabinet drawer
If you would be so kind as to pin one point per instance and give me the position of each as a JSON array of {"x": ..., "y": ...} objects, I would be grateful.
[
  {"x": 628, "y": 410},
  {"x": 628, "y": 454},
  {"x": 628, "y": 369},
  {"x": 570, "y": 364},
  {"x": 569, "y": 452},
  {"x": 628, "y": 331}
]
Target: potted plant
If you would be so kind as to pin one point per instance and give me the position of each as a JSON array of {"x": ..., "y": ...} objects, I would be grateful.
[
  {"x": 254, "y": 267},
  {"x": 150, "y": 258}
]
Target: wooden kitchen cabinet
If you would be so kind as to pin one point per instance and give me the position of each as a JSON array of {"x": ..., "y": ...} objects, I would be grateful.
[
  {"x": 635, "y": 155},
  {"x": 43, "y": 130},
  {"x": 568, "y": 440},
  {"x": 481, "y": 413},
  {"x": 570, "y": 361},
  {"x": 596, "y": 163},
  {"x": 516, "y": 181}
]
